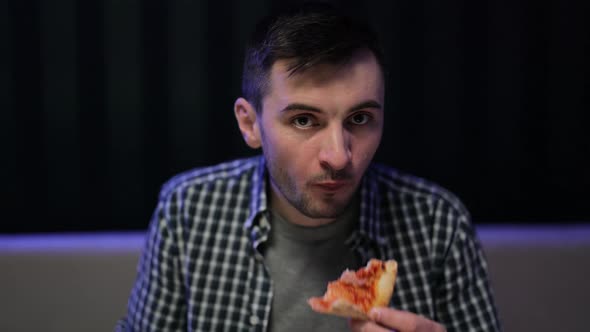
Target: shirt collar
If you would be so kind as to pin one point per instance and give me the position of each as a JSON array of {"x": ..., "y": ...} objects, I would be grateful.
[
  {"x": 370, "y": 223},
  {"x": 368, "y": 240},
  {"x": 257, "y": 223}
]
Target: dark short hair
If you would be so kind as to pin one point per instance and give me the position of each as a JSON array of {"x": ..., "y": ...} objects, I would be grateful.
[{"x": 308, "y": 35}]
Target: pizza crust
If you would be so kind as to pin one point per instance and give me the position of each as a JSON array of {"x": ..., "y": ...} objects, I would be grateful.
[
  {"x": 386, "y": 284},
  {"x": 346, "y": 309},
  {"x": 338, "y": 308}
]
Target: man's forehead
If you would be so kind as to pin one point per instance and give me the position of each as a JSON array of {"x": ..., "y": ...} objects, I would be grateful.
[{"x": 321, "y": 72}]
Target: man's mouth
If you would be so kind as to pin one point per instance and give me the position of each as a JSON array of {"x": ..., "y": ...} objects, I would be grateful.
[{"x": 331, "y": 186}]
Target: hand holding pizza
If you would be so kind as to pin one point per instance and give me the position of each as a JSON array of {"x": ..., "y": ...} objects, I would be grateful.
[
  {"x": 363, "y": 296},
  {"x": 386, "y": 319}
]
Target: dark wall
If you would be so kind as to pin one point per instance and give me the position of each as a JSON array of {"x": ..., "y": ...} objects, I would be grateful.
[{"x": 102, "y": 101}]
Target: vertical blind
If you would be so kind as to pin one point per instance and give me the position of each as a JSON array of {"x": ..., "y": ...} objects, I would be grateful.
[{"x": 102, "y": 101}]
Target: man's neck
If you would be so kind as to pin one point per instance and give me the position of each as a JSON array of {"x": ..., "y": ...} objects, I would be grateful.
[{"x": 279, "y": 204}]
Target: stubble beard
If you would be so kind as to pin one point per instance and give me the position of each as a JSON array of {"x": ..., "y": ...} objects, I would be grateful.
[{"x": 325, "y": 206}]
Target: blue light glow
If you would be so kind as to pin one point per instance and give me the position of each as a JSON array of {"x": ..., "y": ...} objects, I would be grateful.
[
  {"x": 533, "y": 235},
  {"x": 72, "y": 242},
  {"x": 490, "y": 235}
]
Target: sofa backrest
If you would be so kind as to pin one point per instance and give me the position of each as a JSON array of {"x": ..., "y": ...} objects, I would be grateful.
[{"x": 81, "y": 282}]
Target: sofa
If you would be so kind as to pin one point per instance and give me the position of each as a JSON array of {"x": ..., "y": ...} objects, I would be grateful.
[{"x": 81, "y": 282}]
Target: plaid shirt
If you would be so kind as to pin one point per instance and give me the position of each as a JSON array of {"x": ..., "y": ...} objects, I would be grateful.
[{"x": 201, "y": 268}]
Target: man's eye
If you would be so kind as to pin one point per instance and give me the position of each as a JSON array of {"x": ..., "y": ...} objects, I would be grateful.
[
  {"x": 303, "y": 122},
  {"x": 359, "y": 119}
]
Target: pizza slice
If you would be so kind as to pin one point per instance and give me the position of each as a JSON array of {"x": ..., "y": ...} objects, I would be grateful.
[{"x": 355, "y": 293}]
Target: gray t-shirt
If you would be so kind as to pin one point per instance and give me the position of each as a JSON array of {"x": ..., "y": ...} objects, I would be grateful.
[{"x": 301, "y": 261}]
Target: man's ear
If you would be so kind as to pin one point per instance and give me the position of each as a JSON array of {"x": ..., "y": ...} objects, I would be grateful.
[{"x": 248, "y": 122}]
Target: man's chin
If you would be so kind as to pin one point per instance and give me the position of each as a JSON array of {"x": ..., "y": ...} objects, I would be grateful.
[{"x": 324, "y": 210}]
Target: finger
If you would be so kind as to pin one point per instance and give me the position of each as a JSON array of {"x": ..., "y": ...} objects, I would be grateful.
[
  {"x": 397, "y": 319},
  {"x": 357, "y": 325},
  {"x": 403, "y": 320}
]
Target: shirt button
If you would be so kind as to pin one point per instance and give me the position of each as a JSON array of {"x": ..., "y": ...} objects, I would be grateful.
[{"x": 254, "y": 320}]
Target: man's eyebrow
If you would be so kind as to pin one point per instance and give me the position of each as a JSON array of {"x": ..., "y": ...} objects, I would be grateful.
[
  {"x": 366, "y": 104},
  {"x": 309, "y": 108},
  {"x": 301, "y": 107}
]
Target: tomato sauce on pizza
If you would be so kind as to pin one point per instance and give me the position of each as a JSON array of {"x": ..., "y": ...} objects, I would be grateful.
[{"x": 355, "y": 293}]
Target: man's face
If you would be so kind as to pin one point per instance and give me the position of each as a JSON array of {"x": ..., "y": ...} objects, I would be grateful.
[{"x": 319, "y": 131}]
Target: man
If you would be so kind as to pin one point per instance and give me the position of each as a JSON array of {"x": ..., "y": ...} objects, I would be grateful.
[{"x": 242, "y": 245}]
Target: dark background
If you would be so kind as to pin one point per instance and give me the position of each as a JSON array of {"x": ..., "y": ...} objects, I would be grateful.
[{"x": 103, "y": 101}]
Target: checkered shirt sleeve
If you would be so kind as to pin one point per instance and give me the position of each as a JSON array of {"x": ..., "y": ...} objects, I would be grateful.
[
  {"x": 198, "y": 270},
  {"x": 157, "y": 302},
  {"x": 463, "y": 297},
  {"x": 442, "y": 270}
]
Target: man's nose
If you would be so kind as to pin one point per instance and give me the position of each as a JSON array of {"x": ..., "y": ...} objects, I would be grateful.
[{"x": 335, "y": 150}]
